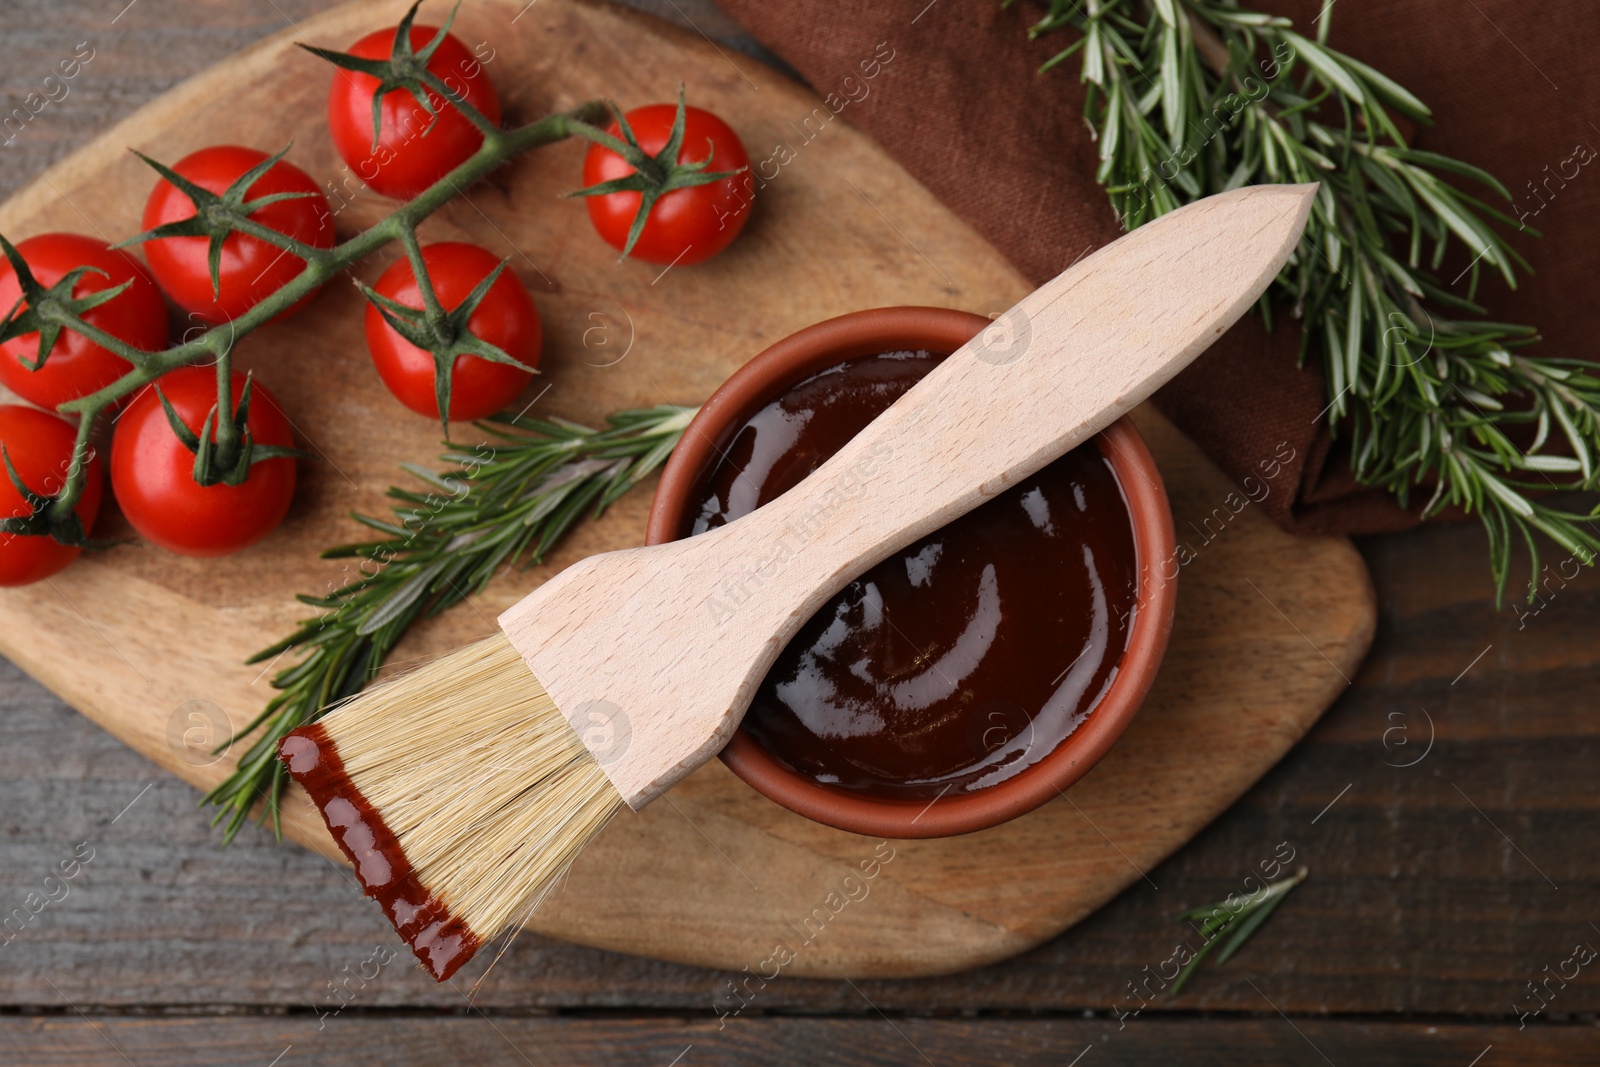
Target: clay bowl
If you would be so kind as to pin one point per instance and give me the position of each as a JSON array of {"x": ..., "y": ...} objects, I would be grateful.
[{"x": 940, "y": 331}]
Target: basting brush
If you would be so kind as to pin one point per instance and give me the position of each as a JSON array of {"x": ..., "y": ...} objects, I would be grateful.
[{"x": 462, "y": 790}]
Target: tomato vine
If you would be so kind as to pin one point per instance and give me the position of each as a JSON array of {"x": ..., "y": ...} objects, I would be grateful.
[{"x": 48, "y": 310}]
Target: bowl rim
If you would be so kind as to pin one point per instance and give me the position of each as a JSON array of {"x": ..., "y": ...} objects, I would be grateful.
[{"x": 941, "y": 330}]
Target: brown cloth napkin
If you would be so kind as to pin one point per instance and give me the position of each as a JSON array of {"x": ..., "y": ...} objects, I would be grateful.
[{"x": 1514, "y": 88}]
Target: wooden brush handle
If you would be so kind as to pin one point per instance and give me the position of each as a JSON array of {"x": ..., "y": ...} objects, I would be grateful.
[
  {"x": 643, "y": 651},
  {"x": 1070, "y": 359}
]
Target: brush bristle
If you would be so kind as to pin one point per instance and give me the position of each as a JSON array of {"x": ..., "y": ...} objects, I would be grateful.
[{"x": 472, "y": 773}]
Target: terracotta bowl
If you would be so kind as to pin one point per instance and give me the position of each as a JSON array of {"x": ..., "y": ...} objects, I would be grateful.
[{"x": 940, "y": 331}]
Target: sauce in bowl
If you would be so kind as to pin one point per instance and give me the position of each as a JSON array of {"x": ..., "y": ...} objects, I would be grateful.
[{"x": 961, "y": 660}]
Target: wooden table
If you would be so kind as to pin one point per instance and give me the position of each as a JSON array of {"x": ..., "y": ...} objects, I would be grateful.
[{"x": 1438, "y": 890}]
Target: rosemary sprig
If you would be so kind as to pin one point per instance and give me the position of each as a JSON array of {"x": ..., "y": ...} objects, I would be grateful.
[
  {"x": 1220, "y": 918},
  {"x": 508, "y": 499},
  {"x": 1193, "y": 97}
]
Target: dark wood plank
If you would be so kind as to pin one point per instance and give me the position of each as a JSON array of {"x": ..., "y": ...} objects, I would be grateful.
[
  {"x": 1429, "y": 888},
  {"x": 87, "y": 1041}
]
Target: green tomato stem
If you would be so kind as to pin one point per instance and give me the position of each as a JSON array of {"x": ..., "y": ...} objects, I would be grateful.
[
  {"x": 227, "y": 434},
  {"x": 438, "y": 318}
]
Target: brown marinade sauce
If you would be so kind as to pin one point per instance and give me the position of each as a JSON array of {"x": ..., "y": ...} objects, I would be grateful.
[
  {"x": 961, "y": 660},
  {"x": 440, "y": 941}
]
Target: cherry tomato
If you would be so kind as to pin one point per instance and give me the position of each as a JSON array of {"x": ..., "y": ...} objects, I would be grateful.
[
  {"x": 40, "y": 447},
  {"x": 251, "y": 269},
  {"x": 152, "y": 472},
  {"x": 686, "y": 225},
  {"x": 409, "y": 155},
  {"x": 76, "y": 366},
  {"x": 506, "y": 318}
]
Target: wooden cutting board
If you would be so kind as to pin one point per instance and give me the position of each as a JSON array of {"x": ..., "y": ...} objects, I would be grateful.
[{"x": 151, "y": 646}]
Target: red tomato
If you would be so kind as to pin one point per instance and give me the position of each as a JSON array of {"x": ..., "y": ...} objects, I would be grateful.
[
  {"x": 506, "y": 318},
  {"x": 76, "y": 365},
  {"x": 251, "y": 269},
  {"x": 40, "y": 447},
  {"x": 409, "y": 156},
  {"x": 686, "y": 225},
  {"x": 152, "y": 472}
]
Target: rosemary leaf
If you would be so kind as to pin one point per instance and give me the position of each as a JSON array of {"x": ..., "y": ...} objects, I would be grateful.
[{"x": 1220, "y": 919}]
